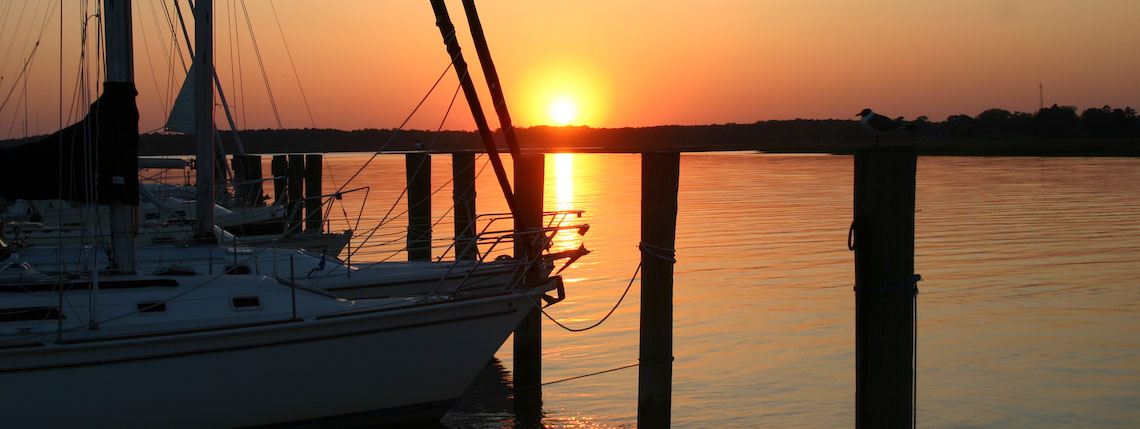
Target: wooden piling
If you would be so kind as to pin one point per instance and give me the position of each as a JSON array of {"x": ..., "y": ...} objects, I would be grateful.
[
  {"x": 314, "y": 219},
  {"x": 279, "y": 168},
  {"x": 529, "y": 181},
  {"x": 659, "y": 184},
  {"x": 296, "y": 187},
  {"x": 247, "y": 173},
  {"x": 463, "y": 195},
  {"x": 529, "y": 178},
  {"x": 253, "y": 176},
  {"x": 883, "y": 240},
  {"x": 418, "y": 169}
]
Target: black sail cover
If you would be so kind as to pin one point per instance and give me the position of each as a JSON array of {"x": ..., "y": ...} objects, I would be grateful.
[{"x": 101, "y": 149}]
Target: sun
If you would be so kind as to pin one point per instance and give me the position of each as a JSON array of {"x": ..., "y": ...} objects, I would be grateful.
[{"x": 563, "y": 111}]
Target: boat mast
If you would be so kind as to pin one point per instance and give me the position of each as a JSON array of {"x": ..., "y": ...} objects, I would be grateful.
[
  {"x": 492, "y": 77},
  {"x": 204, "y": 118},
  {"x": 121, "y": 71},
  {"x": 447, "y": 29},
  {"x": 217, "y": 86}
]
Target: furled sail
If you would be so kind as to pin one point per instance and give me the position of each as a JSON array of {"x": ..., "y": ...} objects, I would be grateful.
[
  {"x": 102, "y": 149},
  {"x": 181, "y": 118}
]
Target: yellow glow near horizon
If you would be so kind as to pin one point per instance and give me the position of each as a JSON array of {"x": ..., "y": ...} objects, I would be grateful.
[
  {"x": 623, "y": 64},
  {"x": 562, "y": 91},
  {"x": 563, "y": 111}
]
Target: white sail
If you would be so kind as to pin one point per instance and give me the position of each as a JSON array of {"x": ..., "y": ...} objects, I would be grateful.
[{"x": 182, "y": 114}]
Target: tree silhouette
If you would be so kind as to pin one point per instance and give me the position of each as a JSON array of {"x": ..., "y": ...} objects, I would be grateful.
[
  {"x": 993, "y": 122},
  {"x": 1108, "y": 122},
  {"x": 1056, "y": 121},
  {"x": 960, "y": 126}
]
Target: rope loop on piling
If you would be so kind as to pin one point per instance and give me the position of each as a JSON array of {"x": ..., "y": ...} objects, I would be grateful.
[
  {"x": 907, "y": 285},
  {"x": 666, "y": 254},
  {"x": 851, "y": 236}
]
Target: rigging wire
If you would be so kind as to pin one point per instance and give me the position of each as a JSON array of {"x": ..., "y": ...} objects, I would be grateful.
[
  {"x": 431, "y": 144},
  {"x": 170, "y": 49},
  {"x": 11, "y": 43},
  {"x": 4, "y": 25},
  {"x": 169, "y": 54},
  {"x": 434, "y": 138},
  {"x": 21, "y": 106},
  {"x": 230, "y": 30},
  {"x": 185, "y": 34},
  {"x": 397, "y": 130},
  {"x": 240, "y": 72},
  {"x": 261, "y": 63},
  {"x": 293, "y": 64},
  {"x": 150, "y": 64},
  {"x": 31, "y": 55},
  {"x": 402, "y": 233}
]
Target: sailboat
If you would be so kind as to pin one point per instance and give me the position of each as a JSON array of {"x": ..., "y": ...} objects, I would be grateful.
[{"x": 119, "y": 344}]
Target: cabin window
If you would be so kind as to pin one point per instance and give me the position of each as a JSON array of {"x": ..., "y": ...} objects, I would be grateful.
[
  {"x": 246, "y": 303},
  {"x": 20, "y": 314},
  {"x": 151, "y": 307}
]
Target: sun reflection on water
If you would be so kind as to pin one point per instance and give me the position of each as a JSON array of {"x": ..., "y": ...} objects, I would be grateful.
[{"x": 564, "y": 200}]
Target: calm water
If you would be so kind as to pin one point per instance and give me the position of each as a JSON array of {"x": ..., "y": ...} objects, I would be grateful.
[{"x": 1027, "y": 313}]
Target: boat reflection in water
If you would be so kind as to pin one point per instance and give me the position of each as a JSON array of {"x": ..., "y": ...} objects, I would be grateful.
[{"x": 487, "y": 401}]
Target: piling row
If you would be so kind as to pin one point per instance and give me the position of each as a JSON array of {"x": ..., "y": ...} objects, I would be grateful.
[{"x": 882, "y": 237}]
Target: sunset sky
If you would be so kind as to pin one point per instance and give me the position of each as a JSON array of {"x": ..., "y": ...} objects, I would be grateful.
[{"x": 365, "y": 64}]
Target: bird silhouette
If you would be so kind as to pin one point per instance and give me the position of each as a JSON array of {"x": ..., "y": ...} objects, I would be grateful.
[{"x": 880, "y": 124}]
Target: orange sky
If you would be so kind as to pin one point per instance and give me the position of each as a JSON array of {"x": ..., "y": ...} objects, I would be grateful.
[{"x": 365, "y": 64}]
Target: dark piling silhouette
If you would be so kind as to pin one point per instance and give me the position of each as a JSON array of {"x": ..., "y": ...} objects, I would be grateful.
[
  {"x": 529, "y": 179},
  {"x": 313, "y": 216},
  {"x": 296, "y": 190},
  {"x": 659, "y": 185},
  {"x": 883, "y": 241},
  {"x": 463, "y": 195},
  {"x": 418, "y": 168}
]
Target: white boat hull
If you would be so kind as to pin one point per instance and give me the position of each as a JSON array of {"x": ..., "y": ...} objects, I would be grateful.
[{"x": 378, "y": 364}]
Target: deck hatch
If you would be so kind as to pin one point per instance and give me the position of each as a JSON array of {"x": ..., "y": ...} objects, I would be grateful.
[{"x": 246, "y": 303}]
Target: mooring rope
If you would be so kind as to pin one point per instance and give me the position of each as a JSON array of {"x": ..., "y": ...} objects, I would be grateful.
[
  {"x": 607, "y": 316},
  {"x": 666, "y": 254},
  {"x": 647, "y": 249}
]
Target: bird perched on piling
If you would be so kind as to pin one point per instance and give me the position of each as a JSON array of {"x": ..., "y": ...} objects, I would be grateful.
[{"x": 879, "y": 123}]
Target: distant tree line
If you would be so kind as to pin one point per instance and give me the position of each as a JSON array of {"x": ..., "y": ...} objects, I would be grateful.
[
  {"x": 1056, "y": 130},
  {"x": 1050, "y": 122}
]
